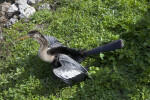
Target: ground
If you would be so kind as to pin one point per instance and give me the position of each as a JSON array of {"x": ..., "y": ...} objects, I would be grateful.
[{"x": 117, "y": 75}]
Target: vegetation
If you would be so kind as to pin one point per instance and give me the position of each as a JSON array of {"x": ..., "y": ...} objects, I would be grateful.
[{"x": 117, "y": 75}]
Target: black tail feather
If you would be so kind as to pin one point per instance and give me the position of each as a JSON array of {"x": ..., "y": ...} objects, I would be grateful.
[{"x": 118, "y": 44}]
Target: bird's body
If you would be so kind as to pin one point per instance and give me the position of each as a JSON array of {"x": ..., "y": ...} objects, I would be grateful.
[
  {"x": 66, "y": 61},
  {"x": 44, "y": 56},
  {"x": 44, "y": 47}
]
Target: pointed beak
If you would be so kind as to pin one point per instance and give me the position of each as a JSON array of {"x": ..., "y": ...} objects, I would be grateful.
[{"x": 25, "y": 37}]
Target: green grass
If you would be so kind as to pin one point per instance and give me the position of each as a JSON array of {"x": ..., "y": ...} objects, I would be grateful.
[{"x": 117, "y": 75}]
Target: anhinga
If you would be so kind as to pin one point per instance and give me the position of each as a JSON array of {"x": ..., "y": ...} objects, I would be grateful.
[{"x": 66, "y": 61}]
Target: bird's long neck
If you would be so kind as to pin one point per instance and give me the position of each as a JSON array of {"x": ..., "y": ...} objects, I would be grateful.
[
  {"x": 43, "y": 43},
  {"x": 44, "y": 46}
]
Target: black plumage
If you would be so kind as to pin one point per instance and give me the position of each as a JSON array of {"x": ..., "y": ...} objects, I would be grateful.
[{"x": 66, "y": 61}]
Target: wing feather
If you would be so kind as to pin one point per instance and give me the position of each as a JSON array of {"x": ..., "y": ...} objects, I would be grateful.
[
  {"x": 69, "y": 70},
  {"x": 54, "y": 42}
]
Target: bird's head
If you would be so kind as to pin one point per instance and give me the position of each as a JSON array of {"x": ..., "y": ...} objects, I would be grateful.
[{"x": 33, "y": 34}]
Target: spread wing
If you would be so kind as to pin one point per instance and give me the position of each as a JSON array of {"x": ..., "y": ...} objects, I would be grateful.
[
  {"x": 70, "y": 70},
  {"x": 56, "y": 47},
  {"x": 53, "y": 41}
]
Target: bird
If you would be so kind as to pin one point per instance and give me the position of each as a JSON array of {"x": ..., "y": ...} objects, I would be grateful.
[{"x": 66, "y": 61}]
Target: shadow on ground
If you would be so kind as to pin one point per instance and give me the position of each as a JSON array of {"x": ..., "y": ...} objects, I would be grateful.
[{"x": 30, "y": 76}]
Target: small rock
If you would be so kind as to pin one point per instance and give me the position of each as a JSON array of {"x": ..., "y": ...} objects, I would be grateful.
[
  {"x": 26, "y": 11},
  {"x": 22, "y": 2},
  {"x": 30, "y": 2},
  {"x": 15, "y": 16},
  {"x": 11, "y": 21},
  {"x": 44, "y": 6},
  {"x": 11, "y": 11},
  {"x": 13, "y": 8},
  {"x": 3, "y": 19},
  {"x": 4, "y": 6},
  {"x": 6, "y": 25}
]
